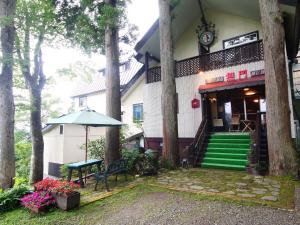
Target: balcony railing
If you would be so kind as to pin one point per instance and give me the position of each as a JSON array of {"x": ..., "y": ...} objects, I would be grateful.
[{"x": 247, "y": 53}]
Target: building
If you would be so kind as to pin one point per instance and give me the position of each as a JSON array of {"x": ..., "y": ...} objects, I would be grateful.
[
  {"x": 219, "y": 73},
  {"x": 63, "y": 144}
]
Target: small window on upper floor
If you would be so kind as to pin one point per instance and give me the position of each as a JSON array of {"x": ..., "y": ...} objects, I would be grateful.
[
  {"x": 138, "y": 112},
  {"x": 61, "y": 129},
  {"x": 82, "y": 101}
]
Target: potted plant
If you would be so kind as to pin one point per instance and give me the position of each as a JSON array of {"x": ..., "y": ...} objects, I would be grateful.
[
  {"x": 65, "y": 195},
  {"x": 38, "y": 201},
  {"x": 63, "y": 192}
]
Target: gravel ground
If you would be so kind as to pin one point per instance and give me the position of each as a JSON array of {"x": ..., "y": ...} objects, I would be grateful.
[{"x": 165, "y": 208}]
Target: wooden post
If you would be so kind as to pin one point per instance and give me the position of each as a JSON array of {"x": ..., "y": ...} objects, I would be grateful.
[{"x": 146, "y": 65}]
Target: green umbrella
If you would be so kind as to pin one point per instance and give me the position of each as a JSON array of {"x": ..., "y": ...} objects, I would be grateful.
[{"x": 86, "y": 117}]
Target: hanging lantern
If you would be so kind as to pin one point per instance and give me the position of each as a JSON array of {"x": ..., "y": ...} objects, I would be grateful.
[{"x": 195, "y": 103}]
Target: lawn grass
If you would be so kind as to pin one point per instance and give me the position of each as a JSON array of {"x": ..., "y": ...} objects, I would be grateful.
[{"x": 101, "y": 209}]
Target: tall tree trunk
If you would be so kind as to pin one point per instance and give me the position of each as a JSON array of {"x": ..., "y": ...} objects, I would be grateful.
[
  {"x": 169, "y": 99},
  {"x": 282, "y": 155},
  {"x": 37, "y": 156},
  {"x": 7, "y": 110},
  {"x": 113, "y": 96}
]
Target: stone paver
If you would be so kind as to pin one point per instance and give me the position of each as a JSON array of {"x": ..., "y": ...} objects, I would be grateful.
[
  {"x": 269, "y": 198},
  {"x": 246, "y": 195},
  {"x": 247, "y": 186}
]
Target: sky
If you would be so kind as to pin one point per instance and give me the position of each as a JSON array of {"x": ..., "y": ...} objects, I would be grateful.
[{"x": 142, "y": 13}]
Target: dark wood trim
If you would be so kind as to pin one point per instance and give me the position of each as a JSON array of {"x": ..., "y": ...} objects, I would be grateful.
[{"x": 243, "y": 54}]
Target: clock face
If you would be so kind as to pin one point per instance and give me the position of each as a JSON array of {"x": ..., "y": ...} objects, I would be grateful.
[{"x": 206, "y": 38}]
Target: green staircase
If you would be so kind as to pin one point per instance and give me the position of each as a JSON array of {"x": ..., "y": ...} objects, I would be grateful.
[{"x": 227, "y": 151}]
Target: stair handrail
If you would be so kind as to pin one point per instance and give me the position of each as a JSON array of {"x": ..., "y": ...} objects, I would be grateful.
[
  {"x": 257, "y": 136},
  {"x": 195, "y": 148}
]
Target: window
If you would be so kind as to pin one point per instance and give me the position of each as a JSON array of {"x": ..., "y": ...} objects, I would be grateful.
[
  {"x": 61, "y": 129},
  {"x": 82, "y": 101},
  {"x": 137, "y": 112}
]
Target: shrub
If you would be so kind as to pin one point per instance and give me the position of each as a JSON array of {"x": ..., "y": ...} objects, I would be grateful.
[
  {"x": 10, "y": 199},
  {"x": 95, "y": 148},
  {"x": 132, "y": 156},
  {"x": 38, "y": 199},
  {"x": 56, "y": 186},
  {"x": 23, "y": 155},
  {"x": 64, "y": 171}
]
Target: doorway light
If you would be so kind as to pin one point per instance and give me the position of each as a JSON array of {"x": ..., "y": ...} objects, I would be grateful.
[
  {"x": 246, "y": 89},
  {"x": 250, "y": 93},
  {"x": 256, "y": 100}
]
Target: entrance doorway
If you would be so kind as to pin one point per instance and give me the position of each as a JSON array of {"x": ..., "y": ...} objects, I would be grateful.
[{"x": 236, "y": 109}]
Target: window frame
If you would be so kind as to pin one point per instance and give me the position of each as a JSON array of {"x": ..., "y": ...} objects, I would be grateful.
[
  {"x": 134, "y": 106},
  {"x": 80, "y": 102}
]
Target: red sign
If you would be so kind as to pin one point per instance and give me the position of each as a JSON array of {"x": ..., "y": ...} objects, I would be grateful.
[
  {"x": 243, "y": 74},
  {"x": 230, "y": 76},
  {"x": 195, "y": 103}
]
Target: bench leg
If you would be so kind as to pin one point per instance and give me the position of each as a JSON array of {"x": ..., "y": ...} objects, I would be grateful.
[
  {"x": 80, "y": 178},
  {"x": 69, "y": 175},
  {"x": 95, "y": 189},
  {"x": 126, "y": 176},
  {"x": 98, "y": 168},
  {"x": 116, "y": 177},
  {"x": 106, "y": 184}
]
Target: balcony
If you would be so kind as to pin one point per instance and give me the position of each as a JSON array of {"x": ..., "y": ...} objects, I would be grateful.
[{"x": 247, "y": 53}]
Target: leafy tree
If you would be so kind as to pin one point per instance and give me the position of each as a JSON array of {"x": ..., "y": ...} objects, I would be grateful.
[
  {"x": 7, "y": 36},
  {"x": 94, "y": 25},
  {"x": 35, "y": 24}
]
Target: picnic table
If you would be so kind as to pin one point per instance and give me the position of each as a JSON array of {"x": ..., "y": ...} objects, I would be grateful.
[{"x": 80, "y": 165}]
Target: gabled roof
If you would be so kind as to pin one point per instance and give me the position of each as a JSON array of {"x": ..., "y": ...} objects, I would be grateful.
[
  {"x": 97, "y": 84},
  {"x": 182, "y": 19}
]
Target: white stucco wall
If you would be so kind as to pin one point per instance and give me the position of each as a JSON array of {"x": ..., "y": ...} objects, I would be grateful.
[
  {"x": 227, "y": 26},
  {"x": 134, "y": 96},
  {"x": 74, "y": 138},
  {"x": 65, "y": 148},
  {"x": 189, "y": 119},
  {"x": 96, "y": 101},
  {"x": 53, "y": 147}
]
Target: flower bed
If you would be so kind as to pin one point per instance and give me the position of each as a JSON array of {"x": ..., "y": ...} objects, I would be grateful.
[
  {"x": 63, "y": 192},
  {"x": 38, "y": 201}
]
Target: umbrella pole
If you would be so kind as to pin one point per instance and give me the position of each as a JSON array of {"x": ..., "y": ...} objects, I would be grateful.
[{"x": 86, "y": 149}]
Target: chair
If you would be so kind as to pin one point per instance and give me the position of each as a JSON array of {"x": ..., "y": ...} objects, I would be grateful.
[
  {"x": 235, "y": 121},
  {"x": 217, "y": 123}
]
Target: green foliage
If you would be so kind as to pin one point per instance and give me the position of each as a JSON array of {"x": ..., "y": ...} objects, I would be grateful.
[
  {"x": 96, "y": 148},
  {"x": 10, "y": 199},
  {"x": 64, "y": 171},
  {"x": 132, "y": 156},
  {"x": 85, "y": 22},
  {"x": 23, "y": 155}
]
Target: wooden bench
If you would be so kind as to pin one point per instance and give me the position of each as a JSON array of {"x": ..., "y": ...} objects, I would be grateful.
[
  {"x": 80, "y": 165},
  {"x": 114, "y": 168}
]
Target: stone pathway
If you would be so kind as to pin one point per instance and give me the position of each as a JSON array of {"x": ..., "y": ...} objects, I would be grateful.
[{"x": 223, "y": 182}]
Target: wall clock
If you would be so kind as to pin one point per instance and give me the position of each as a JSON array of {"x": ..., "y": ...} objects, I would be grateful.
[{"x": 206, "y": 38}]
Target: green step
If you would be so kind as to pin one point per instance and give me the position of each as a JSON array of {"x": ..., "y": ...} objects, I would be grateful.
[
  {"x": 226, "y": 155},
  {"x": 229, "y": 150},
  {"x": 221, "y": 140},
  {"x": 242, "y": 162},
  {"x": 223, "y": 166},
  {"x": 228, "y": 145},
  {"x": 230, "y": 136}
]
